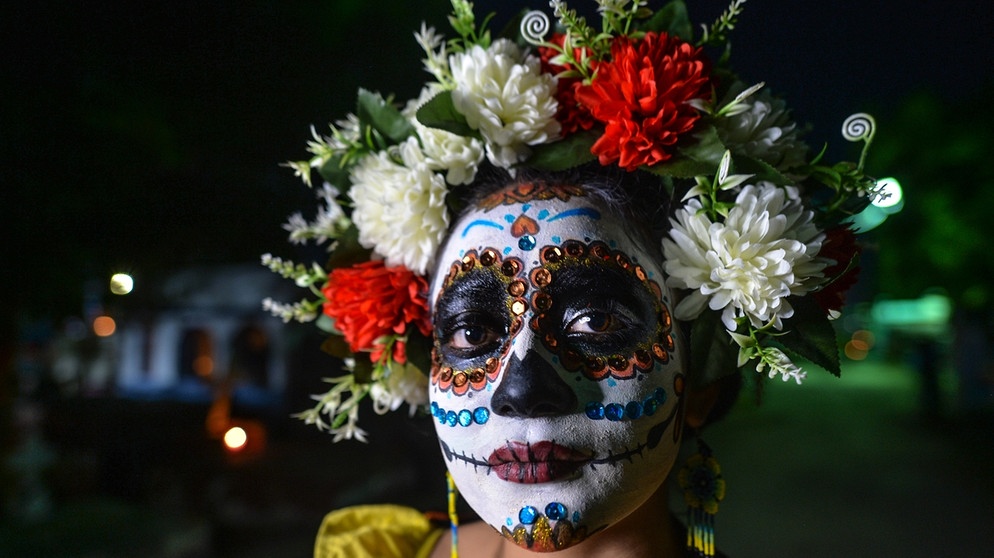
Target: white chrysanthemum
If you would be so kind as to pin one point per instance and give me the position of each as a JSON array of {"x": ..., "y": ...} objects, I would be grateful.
[
  {"x": 511, "y": 103},
  {"x": 399, "y": 208},
  {"x": 401, "y": 383},
  {"x": 748, "y": 265},
  {"x": 762, "y": 129},
  {"x": 459, "y": 156}
]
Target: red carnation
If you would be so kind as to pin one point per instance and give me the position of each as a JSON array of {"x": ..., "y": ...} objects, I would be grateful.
[
  {"x": 370, "y": 300},
  {"x": 840, "y": 245},
  {"x": 642, "y": 96},
  {"x": 572, "y": 116}
]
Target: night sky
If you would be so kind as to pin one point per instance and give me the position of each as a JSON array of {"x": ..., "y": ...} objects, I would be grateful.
[{"x": 147, "y": 136}]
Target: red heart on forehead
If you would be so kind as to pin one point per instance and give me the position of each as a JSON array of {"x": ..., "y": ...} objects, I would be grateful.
[{"x": 524, "y": 225}]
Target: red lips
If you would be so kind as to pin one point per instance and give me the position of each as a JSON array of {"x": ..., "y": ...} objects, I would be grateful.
[{"x": 540, "y": 462}]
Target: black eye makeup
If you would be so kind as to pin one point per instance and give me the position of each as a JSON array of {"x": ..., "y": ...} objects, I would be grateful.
[
  {"x": 601, "y": 310},
  {"x": 471, "y": 320}
]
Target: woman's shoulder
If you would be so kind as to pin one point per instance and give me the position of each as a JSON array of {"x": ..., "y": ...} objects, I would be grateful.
[{"x": 380, "y": 531}]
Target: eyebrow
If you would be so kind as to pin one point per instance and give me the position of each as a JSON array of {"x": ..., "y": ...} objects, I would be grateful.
[
  {"x": 481, "y": 223},
  {"x": 577, "y": 212}
]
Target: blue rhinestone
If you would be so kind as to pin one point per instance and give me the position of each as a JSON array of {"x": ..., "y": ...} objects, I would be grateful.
[
  {"x": 527, "y": 515},
  {"x": 633, "y": 410},
  {"x": 614, "y": 411},
  {"x": 660, "y": 395},
  {"x": 440, "y": 415},
  {"x": 481, "y": 415},
  {"x": 450, "y": 418},
  {"x": 465, "y": 417},
  {"x": 650, "y": 405},
  {"x": 434, "y": 409},
  {"x": 527, "y": 242},
  {"x": 595, "y": 410},
  {"x": 555, "y": 511}
]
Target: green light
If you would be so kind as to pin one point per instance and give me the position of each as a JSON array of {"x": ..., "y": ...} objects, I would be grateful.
[{"x": 891, "y": 196}]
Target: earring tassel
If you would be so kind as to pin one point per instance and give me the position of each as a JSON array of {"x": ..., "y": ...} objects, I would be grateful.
[
  {"x": 453, "y": 515},
  {"x": 703, "y": 488}
]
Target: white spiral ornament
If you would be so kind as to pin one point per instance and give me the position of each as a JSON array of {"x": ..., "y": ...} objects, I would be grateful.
[
  {"x": 859, "y": 127},
  {"x": 534, "y": 26}
]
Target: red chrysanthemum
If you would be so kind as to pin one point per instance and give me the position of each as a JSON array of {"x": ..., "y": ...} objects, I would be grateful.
[
  {"x": 641, "y": 95},
  {"x": 370, "y": 300},
  {"x": 840, "y": 245},
  {"x": 571, "y": 115}
]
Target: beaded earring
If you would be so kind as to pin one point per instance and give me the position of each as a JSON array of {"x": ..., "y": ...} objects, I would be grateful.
[{"x": 703, "y": 488}]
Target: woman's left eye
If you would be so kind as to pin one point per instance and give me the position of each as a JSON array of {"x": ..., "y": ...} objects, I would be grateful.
[{"x": 594, "y": 322}]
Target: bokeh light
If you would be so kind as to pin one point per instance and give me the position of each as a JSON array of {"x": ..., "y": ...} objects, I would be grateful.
[
  {"x": 104, "y": 326},
  {"x": 121, "y": 283},
  {"x": 235, "y": 438}
]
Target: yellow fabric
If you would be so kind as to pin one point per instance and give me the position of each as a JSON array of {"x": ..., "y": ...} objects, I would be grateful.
[{"x": 376, "y": 531}]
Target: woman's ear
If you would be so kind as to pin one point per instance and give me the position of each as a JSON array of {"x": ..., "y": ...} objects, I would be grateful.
[{"x": 699, "y": 403}]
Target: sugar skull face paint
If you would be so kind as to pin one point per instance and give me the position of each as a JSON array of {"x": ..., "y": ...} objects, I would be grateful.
[{"x": 557, "y": 378}]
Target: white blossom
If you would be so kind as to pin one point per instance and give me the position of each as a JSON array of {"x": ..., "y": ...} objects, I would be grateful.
[
  {"x": 459, "y": 156},
  {"x": 760, "y": 127},
  {"x": 399, "y": 206},
  {"x": 401, "y": 383},
  {"x": 507, "y": 98},
  {"x": 779, "y": 363},
  {"x": 748, "y": 265}
]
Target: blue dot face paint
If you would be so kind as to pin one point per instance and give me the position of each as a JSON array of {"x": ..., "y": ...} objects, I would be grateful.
[{"x": 556, "y": 378}]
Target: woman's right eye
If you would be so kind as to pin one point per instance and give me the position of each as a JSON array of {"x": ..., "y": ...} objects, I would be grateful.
[{"x": 472, "y": 337}]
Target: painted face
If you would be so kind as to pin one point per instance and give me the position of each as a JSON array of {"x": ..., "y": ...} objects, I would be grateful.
[{"x": 556, "y": 380}]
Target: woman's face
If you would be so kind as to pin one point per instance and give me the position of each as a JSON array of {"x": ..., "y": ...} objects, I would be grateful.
[{"x": 556, "y": 381}]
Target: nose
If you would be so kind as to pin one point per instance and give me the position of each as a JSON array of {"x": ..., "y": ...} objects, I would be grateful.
[{"x": 532, "y": 388}]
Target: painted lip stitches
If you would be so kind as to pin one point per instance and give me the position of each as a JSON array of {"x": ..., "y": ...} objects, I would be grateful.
[{"x": 528, "y": 463}]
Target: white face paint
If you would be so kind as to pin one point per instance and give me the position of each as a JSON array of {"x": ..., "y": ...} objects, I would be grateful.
[{"x": 557, "y": 380}]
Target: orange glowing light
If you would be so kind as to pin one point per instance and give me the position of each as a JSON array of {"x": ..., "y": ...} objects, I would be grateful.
[
  {"x": 203, "y": 365},
  {"x": 856, "y": 350},
  {"x": 864, "y": 336},
  {"x": 104, "y": 326},
  {"x": 235, "y": 438}
]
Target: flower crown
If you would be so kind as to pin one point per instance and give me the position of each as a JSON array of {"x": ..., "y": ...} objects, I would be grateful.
[{"x": 760, "y": 249}]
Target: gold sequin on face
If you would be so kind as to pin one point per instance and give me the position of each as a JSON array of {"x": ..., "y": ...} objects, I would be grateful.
[
  {"x": 510, "y": 268},
  {"x": 552, "y": 254},
  {"x": 541, "y": 277},
  {"x": 517, "y": 288},
  {"x": 542, "y": 302},
  {"x": 489, "y": 257},
  {"x": 519, "y": 307}
]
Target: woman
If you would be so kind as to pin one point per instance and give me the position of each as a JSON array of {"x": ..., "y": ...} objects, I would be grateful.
[{"x": 550, "y": 251}]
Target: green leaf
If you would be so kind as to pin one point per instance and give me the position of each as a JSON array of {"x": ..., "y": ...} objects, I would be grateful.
[
  {"x": 440, "y": 112},
  {"x": 336, "y": 346},
  {"x": 681, "y": 167},
  {"x": 566, "y": 153},
  {"x": 672, "y": 19},
  {"x": 699, "y": 157},
  {"x": 811, "y": 336},
  {"x": 713, "y": 354},
  {"x": 761, "y": 169},
  {"x": 419, "y": 350},
  {"x": 383, "y": 117},
  {"x": 348, "y": 251},
  {"x": 334, "y": 172}
]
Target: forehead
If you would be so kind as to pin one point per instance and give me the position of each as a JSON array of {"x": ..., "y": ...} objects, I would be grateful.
[{"x": 521, "y": 220}]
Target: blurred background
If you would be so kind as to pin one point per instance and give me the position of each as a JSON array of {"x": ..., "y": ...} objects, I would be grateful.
[{"x": 145, "y": 398}]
